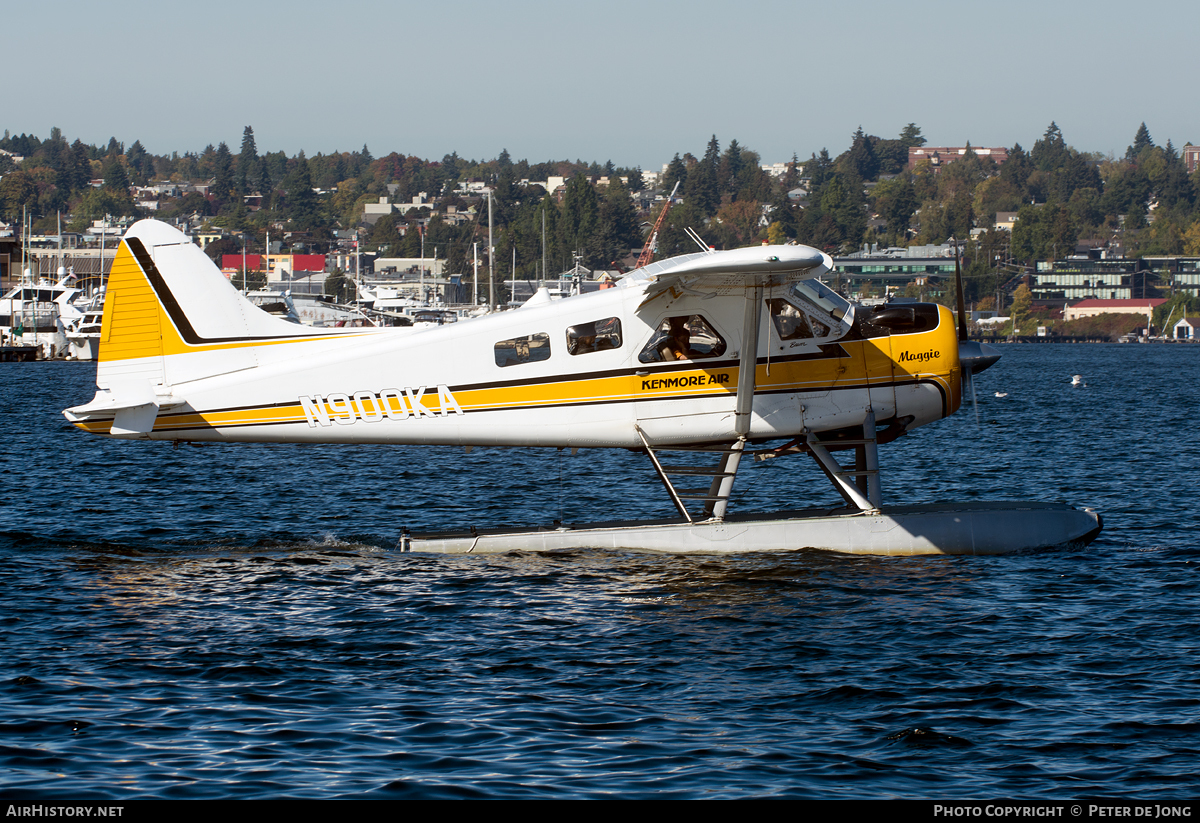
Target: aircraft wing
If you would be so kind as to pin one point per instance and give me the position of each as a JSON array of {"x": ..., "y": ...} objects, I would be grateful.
[{"x": 721, "y": 272}]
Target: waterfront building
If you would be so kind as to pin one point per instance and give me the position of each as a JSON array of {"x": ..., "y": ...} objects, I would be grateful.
[
  {"x": 1176, "y": 274},
  {"x": 1083, "y": 278},
  {"x": 1092, "y": 308},
  {"x": 1188, "y": 328}
]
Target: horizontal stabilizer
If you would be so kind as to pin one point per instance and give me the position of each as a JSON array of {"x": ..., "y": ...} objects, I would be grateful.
[{"x": 133, "y": 405}]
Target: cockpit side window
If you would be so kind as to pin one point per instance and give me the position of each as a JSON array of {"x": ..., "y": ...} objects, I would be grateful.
[
  {"x": 600, "y": 335},
  {"x": 790, "y": 322},
  {"x": 826, "y": 309},
  {"x": 528, "y": 349},
  {"x": 683, "y": 337}
]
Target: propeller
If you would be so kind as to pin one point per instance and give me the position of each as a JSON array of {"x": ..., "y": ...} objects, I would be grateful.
[{"x": 973, "y": 356}]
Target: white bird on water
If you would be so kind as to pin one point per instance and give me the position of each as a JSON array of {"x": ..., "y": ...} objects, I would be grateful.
[{"x": 1077, "y": 380}]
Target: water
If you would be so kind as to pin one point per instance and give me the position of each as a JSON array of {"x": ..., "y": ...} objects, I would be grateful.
[{"x": 233, "y": 621}]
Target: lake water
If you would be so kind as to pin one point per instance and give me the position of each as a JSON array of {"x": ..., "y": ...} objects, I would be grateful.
[{"x": 234, "y": 621}]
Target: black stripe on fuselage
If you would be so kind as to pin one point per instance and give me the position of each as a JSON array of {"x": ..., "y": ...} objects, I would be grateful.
[{"x": 175, "y": 311}]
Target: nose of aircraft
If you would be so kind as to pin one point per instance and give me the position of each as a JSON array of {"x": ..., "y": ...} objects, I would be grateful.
[{"x": 975, "y": 356}]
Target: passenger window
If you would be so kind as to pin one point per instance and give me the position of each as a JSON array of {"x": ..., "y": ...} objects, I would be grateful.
[
  {"x": 601, "y": 335},
  {"x": 529, "y": 349},
  {"x": 685, "y": 337}
]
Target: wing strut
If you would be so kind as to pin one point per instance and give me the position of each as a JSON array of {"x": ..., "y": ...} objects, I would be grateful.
[{"x": 862, "y": 489}]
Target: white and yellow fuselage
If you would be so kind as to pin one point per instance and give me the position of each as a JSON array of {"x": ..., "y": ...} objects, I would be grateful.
[{"x": 184, "y": 357}]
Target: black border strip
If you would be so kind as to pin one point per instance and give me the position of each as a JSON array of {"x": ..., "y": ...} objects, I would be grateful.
[{"x": 176, "y": 313}]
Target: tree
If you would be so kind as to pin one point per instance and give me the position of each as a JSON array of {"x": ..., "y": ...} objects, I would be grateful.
[
  {"x": 16, "y": 190},
  {"x": 384, "y": 234},
  {"x": 1022, "y": 303},
  {"x": 861, "y": 158},
  {"x": 910, "y": 135},
  {"x": 895, "y": 201},
  {"x": 702, "y": 188},
  {"x": 254, "y": 279},
  {"x": 247, "y": 164},
  {"x": 619, "y": 227},
  {"x": 80, "y": 174},
  {"x": 730, "y": 168},
  {"x": 114, "y": 176},
  {"x": 300, "y": 201},
  {"x": 1141, "y": 141},
  {"x": 581, "y": 219},
  {"x": 224, "y": 186},
  {"x": 340, "y": 287},
  {"x": 739, "y": 223},
  {"x": 818, "y": 170}
]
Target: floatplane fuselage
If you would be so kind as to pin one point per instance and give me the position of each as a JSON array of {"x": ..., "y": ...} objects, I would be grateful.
[{"x": 717, "y": 351}]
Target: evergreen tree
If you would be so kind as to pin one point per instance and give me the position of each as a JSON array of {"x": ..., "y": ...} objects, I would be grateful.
[
  {"x": 223, "y": 188},
  {"x": 818, "y": 170},
  {"x": 910, "y": 135},
  {"x": 861, "y": 158},
  {"x": 1141, "y": 141},
  {"x": 620, "y": 230},
  {"x": 115, "y": 178},
  {"x": 384, "y": 235},
  {"x": 783, "y": 215},
  {"x": 247, "y": 163},
  {"x": 702, "y": 188},
  {"x": 676, "y": 173},
  {"x": 1050, "y": 152},
  {"x": 580, "y": 217},
  {"x": 302, "y": 208},
  {"x": 791, "y": 177},
  {"x": 80, "y": 175},
  {"x": 730, "y": 168}
]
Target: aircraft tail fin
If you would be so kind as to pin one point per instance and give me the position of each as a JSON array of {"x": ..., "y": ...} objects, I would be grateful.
[{"x": 170, "y": 317}]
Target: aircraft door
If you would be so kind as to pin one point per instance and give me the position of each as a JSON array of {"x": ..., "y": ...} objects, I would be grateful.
[
  {"x": 686, "y": 383},
  {"x": 835, "y": 379}
]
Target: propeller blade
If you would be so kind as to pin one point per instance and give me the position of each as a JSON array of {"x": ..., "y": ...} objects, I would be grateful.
[{"x": 958, "y": 285}]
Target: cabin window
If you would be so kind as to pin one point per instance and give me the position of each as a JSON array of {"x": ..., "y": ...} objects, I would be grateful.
[
  {"x": 601, "y": 335},
  {"x": 528, "y": 349},
  {"x": 684, "y": 337}
]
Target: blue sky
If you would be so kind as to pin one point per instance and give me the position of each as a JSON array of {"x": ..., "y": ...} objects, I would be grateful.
[{"x": 633, "y": 82}]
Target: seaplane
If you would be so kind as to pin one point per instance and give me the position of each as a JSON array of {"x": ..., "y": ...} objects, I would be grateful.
[{"x": 700, "y": 362}]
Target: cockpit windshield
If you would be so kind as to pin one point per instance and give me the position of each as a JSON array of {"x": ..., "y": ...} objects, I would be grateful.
[{"x": 825, "y": 299}]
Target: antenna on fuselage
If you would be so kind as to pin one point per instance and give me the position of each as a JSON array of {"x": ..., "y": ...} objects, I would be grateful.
[{"x": 692, "y": 233}]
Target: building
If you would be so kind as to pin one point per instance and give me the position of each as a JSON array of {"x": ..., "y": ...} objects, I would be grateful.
[
  {"x": 1188, "y": 328},
  {"x": 1005, "y": 221},
  {"x": 1092, "y": 308},
  {"x": 1176, "y": 274},
  {"x": 939, "y": 156},
  {"x": 280, "y": 268},
  {"x": 1083, "y": 278},
  {"x": 892, "y": 271},
  {"x": 1191, "y": 157}
]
